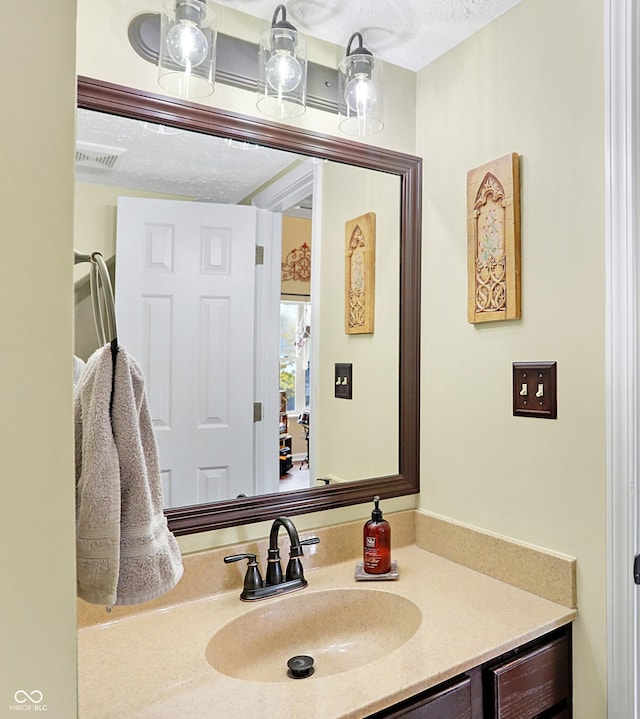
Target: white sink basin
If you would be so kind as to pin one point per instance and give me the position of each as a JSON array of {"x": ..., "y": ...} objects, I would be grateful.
[{"x": 339, "y": 628}]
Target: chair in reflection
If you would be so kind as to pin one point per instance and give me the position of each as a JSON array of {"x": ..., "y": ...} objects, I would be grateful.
[{"x": 303, "y": 421}]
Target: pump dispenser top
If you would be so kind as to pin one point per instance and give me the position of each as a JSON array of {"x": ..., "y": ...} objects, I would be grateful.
[{"x": 377, "y": 542}]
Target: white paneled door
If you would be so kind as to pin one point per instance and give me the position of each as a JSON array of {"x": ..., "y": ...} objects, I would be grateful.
[{"x": 185, "y": 308}]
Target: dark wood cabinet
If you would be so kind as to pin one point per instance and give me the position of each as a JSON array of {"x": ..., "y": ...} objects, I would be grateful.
[
  {"x": 448, "y": 701},
  {"x": 531, "y": 682}
]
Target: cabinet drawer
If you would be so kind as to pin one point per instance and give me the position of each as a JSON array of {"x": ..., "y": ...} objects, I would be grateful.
[
  {"x": 452, "y": 701},
  {"x": 524, "y": 687}
]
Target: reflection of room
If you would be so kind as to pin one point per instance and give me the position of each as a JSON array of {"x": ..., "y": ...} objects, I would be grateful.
[
  {"x": 295, "y": 348},
  {"x": 232, "y": 180},
  {"x": 281, "y": 186}
]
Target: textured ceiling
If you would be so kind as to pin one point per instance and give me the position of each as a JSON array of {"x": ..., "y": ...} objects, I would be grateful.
[
  {"x": 408, "y": 33},
  {"x": 181, "y": 163}
]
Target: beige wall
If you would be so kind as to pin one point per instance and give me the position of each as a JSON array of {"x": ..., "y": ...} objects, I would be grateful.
[
  {"x": 37, "y": 635},
  {"x": 356, "y": 438},
  {"x": 531, "y": 82}
]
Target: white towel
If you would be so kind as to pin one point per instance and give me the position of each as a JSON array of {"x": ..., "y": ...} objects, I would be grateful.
[
  {"x": 147, "y": 557},
  {"x": 78, "y": 367},
  {"x": 97, "y": 485},
  {"x": 150, "y": 561}
]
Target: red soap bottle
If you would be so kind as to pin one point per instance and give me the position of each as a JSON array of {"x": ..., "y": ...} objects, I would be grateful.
[{"x": 377, "y": 543}]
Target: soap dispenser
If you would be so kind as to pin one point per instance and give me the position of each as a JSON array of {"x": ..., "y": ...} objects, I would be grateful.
[{"x": 377, "y": 542}]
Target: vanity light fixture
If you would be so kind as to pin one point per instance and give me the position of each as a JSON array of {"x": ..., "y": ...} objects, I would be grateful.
[
  {"x": 360, "y": 91},
  {"x": 186, "y": 65},
  {"x": 282, "y": 69},
  {"x": 234, "y": 62}
]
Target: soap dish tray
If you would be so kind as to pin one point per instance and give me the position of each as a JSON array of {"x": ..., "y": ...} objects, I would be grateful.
[{"x": 363, "y": 576}]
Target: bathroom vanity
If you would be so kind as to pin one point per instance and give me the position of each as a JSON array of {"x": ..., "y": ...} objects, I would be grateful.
[{"x": 442, "y": 641}]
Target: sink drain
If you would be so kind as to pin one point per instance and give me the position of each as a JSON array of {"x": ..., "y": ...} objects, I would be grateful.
[{"x": 300, "y": 667}]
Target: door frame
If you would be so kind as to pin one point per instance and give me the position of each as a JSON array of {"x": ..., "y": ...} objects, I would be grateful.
[
  {"x": 622, "y": 97},
  {"x": 288, "y": 190}
]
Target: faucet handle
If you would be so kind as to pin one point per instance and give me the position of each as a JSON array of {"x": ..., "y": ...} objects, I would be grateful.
[
  {"x": 253, "y": 578},
  {"x": 294, "y": 567},
  {"x": 238, "y": 557},
  {"x": 296, "y": 550},
  {"x": 311, "y": 540}
]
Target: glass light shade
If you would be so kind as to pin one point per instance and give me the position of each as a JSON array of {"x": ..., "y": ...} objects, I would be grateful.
[
  {"x": 360, "y": 95},
  {"x": 186, "y": 65},
  {"x": 282, "y": 73}
]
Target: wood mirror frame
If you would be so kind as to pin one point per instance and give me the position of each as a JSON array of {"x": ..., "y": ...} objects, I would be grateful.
[{"x": 137, "y": 104}]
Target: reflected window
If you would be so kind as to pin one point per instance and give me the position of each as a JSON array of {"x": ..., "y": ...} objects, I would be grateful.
[{"x": 295, "y": 352}]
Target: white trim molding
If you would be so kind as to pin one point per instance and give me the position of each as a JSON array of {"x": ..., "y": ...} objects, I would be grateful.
[
  {"x": 291, "y": 188},
  {"x": 623, "y": 429},
  {"x": 267, "y": 338}
]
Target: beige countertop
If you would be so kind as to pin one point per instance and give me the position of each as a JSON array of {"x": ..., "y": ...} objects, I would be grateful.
[{"x": 153, "y": 665}]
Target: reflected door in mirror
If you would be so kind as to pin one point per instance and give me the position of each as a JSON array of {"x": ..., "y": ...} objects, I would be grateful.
[{"x": 185, "y": 303}]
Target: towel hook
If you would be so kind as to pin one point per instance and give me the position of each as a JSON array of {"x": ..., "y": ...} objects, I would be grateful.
[{"x": 102, "y": 301}]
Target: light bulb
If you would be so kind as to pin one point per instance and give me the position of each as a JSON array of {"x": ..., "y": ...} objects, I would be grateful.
[
  {"x": 187, "y": 44},
  {"x": 360, "y": 94},
  {"x": 283, "y": 72}
]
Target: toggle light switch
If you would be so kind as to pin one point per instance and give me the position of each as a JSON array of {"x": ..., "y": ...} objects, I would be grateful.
[
  {"x": 343, "y": 379},
  {"x": 534, "y": 389}
]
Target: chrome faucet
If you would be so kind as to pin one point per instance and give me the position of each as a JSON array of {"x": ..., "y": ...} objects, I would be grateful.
[{"x": 274, "y": 583}]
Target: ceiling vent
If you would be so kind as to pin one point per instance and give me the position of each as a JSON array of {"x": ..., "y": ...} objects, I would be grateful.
[{"x": 98, "y": 157}]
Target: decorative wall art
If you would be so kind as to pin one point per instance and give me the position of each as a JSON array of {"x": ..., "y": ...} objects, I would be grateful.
[
  {"x": 360, "y": 270},
  {"x": 297, "y": 264},
  {"x": 493, "y": 240}
]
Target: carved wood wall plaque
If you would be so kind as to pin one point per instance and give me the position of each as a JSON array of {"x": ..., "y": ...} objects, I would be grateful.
[
  {"x": 360, "y": 270},
  {"x": 493, "y": 240}
]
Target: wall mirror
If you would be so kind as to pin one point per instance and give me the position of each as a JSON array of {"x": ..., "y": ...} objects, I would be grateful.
[{"x": 400, "y": 422}]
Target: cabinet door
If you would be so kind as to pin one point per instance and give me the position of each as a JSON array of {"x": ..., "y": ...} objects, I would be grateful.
[
  {"x": 532, "y": 683},
  {"x": 450, "y": 702}
]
